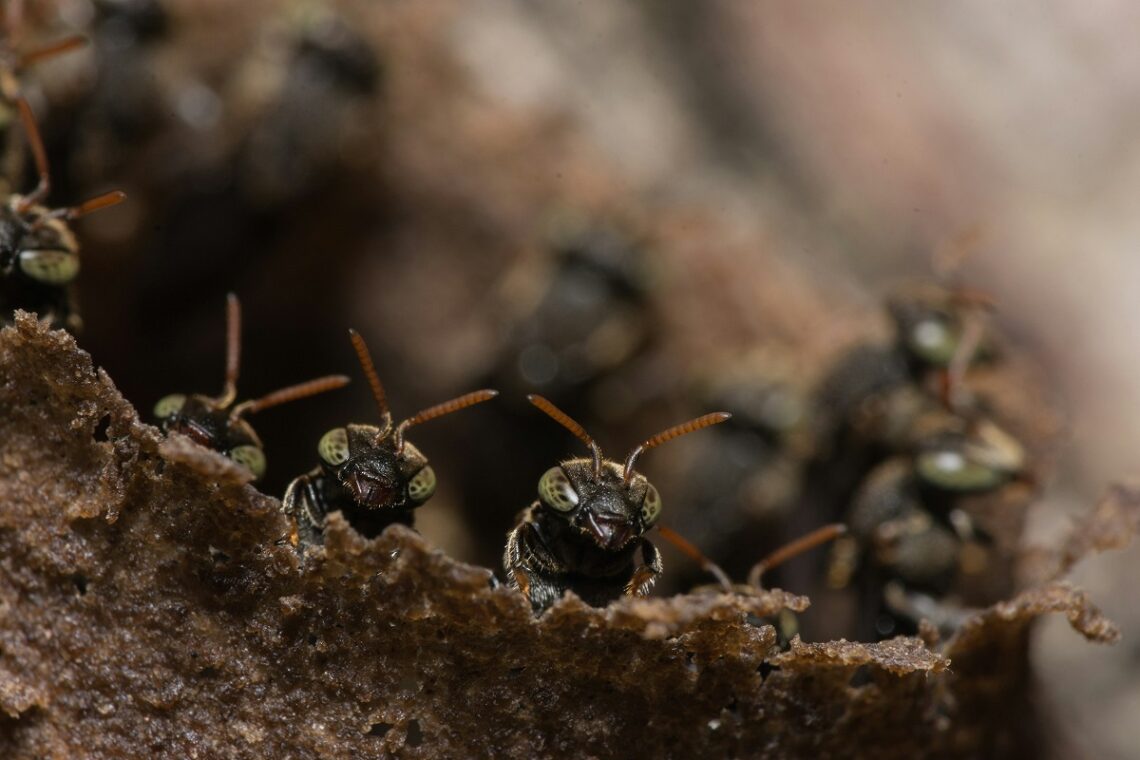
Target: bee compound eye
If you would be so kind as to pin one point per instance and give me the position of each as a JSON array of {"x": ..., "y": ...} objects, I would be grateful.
[
  {"x": 50, "y": 267},
  {"x": 934, "y": 340},
  {"x": 250, "y": 457},
  {"x": 556, "y": 491},
  {"x": 951, "y": 470},
  {"x": 333, "y": 447},
  {"x": 651, "y": 507},
  {"x": 422, "y": 486},
  {"x": 168, "y": 406}
]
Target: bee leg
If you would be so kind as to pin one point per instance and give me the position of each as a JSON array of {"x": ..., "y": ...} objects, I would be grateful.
[
  {"x": 514, "y": 565},
  {"x": 520, "y": 580},
  {"x": 304, "y": 504},
  {"x": 646, "y": 574}
]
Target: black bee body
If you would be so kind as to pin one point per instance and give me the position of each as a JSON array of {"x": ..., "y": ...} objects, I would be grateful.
[
  {"x": 365, "y": 477},
  {"x": 593, "y": 553},
  {"x": 908, "y": 531},
  {"x": 216, "y": 422},
  {"x": 370, "y": 473},
  {"x": 585, "y": 530},
  {"x": 39, "y": 255}
]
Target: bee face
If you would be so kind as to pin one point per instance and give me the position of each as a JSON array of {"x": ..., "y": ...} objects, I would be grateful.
[
  {"x": 600, "y": 506},
  {"x": 365, "y": 460},
  {"x": 209, "y": 424}
]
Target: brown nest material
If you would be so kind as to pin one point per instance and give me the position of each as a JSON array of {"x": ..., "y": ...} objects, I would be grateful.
[{"x": 149, "y": 605}]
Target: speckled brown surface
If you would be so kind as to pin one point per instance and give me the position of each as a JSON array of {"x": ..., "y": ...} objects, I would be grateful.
[{"x": 149, "y": 607}]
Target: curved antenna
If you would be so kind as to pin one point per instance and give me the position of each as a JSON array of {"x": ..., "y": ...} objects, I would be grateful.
[
  {"x": 233, "y": 350},
  {"x": 563, "y": 419},
  {"x": 794, "y": 549},
  {"x": 90, "y": 206},
  {"x": 291, "y": 393},
  {"x": 676, "y": 431},
  {"x": 35, "y": 140},
  {"x": 447, "y": 407},
  {"x": 370, "y": 373},
  {"x": 43, "y": 187},
  {"x": 51, "y": 50},
  {"x": 690, "y": 550}
]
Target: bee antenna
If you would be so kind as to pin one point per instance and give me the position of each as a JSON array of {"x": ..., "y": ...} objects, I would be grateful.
[
  {"x": 447, "y": 407},
  {"x": 233, "y": 349},
  {"x": 90, "y": 206},
  {"x": 35, "y": 140},
  {"x": 794, "y": 549},
  {"x": 676, "y": 431},
  {"x": 291, "y": 393},
  {"x": 52, "y": 50},
  {"x": 690, "y": 550},
  {"x": 370, "y": 372},
  {"x": 563, "y": 419}
]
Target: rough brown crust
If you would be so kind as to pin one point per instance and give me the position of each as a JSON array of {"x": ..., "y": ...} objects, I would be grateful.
[{"x": 150, "y": 604}]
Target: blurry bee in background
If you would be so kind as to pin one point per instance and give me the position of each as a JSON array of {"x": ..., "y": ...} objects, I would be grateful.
[
  {"x": 216, "y": 422},
  {"x": 371, "y": 474},
  {"x": 914, "y": 546},
  {"x": 589, "y": 522},
  {"x": 939, "y": 334},
  {"x": 868, "y": 406},
  {"x": 39, "y": 255},
  {"x": 312, "y": 86},
  {"x": 581, "y": 320},
  {"x": 740, "y": 489},
  {"x": 577, "y": 326}
]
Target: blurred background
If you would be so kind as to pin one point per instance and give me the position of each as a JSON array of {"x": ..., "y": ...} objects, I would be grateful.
[{"x": 644, "y": 210}]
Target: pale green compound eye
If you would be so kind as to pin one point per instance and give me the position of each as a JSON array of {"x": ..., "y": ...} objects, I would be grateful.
[
  {"x": 168, "y": 406},
  {"x": 952, "y": 471},
  {"x": 934, "y": 340},
  {"x": 422, "y": 486},
  {"x": 651, "y": 507},
  {"x": 50, "y": 267},
  {"x": 556, "y": 491},
  {"x": 333, "y": 447},
  {"x": 250, "y": 457}
]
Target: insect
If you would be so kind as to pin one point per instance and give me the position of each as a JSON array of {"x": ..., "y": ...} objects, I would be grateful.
[
  {"x": 216, "y": 422},
  {"x": 328, "y": 78},
  {"x": 582, "y": 319},
  {"x": 588, "y": 524},
  {"x": 372, "y": 474},
  {"x": 39, "y": 255},
  {"x": 908, "y": 528},
  {"x": 939, "y": 334}
]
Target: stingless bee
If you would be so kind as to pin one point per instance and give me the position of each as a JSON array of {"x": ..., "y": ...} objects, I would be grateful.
[
  {"x": 371, "y": 474},
  {"x": 910, "y": 537},
  {"x": 585, "y": 529},
  {"x": 216, "y": 422},
  {"x": 39, "y": 255}
]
